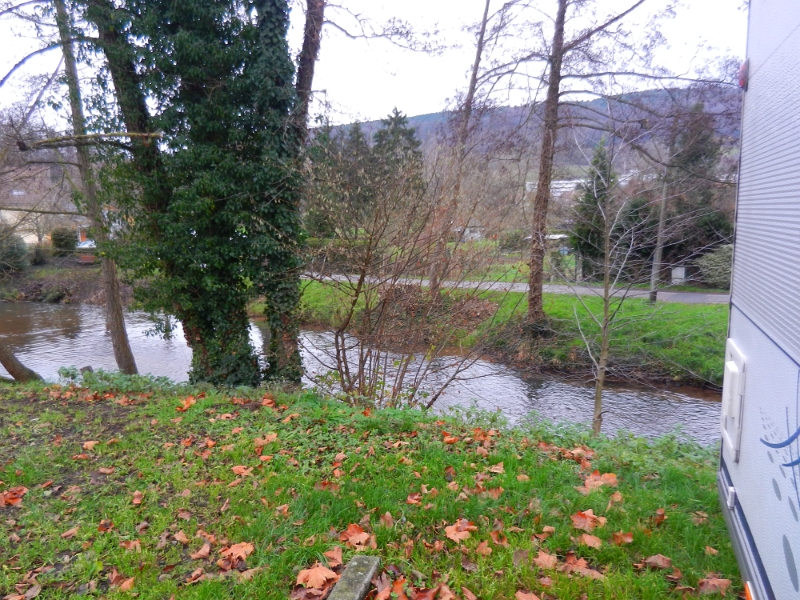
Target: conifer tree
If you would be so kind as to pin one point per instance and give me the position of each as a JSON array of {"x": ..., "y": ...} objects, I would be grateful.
[{"x": 586, "y": 236}]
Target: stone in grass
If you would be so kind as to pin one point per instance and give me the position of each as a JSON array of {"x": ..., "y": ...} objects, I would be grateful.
[{"x": 355, "y": 581}]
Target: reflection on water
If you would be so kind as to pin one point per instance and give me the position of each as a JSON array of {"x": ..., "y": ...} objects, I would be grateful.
[{"x": 46, "y": 337}]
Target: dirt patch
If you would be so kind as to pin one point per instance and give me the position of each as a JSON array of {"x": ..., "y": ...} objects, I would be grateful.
[{"x": 61, "y": 280}]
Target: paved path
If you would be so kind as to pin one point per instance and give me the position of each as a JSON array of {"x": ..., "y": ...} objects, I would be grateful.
[{"x": 581, "y": 290}]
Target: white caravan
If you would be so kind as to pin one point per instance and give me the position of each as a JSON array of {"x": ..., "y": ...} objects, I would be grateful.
[{"x": 759, "y": 473}]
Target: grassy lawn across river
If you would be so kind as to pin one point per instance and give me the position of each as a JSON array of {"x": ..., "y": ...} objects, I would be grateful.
[{"x": 123, "y": 487}]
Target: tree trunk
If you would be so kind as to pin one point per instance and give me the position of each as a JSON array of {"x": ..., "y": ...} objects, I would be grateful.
[
  {"x": 438, "y": 260},
  {"x": 599, "y": 381},
  {"x": 284, "y": 344},
  {"x": 132, "y": 105},
  {"x": 605, "y": 325},
  {"x": 542, "y": 197},
  {"x": 312, "y": 37},
  {"x": 115, "y": 319},
  {"x": 17, "y": 370}
]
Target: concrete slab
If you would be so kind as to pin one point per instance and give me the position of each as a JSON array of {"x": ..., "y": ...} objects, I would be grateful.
[{"x": 356, "y": 578}]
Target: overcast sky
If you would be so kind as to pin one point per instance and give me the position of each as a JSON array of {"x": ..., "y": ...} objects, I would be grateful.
[{"x": 365, "y": 79}]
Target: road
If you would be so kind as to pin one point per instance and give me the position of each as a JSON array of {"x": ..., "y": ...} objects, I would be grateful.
[{"x": 581, "y": 290}]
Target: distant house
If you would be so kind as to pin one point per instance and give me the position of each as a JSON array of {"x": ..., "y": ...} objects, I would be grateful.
[
  {"x": 470, "y": 233},
  {"x": 558, "y": 187},
  {"x": 40, "y": 186}
]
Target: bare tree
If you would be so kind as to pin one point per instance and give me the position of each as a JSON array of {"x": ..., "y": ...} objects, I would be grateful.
[
  {"x": 115, "y": 318},
  {"x": 376, "y": 206}
]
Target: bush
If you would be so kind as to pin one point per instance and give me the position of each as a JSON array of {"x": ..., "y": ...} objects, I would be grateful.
[
  {"x": 40, "y": 255},
  {"x": 715, "y": 267},
  {"x": 13, "y": 252},
  {"x": 64, "y": 241},
  {"x": 513, "y": 241}
]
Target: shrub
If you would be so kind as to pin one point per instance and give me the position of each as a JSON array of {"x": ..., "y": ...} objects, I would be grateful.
[
  {"x": 13, "y": 252},
  {"x": 715, "y": 267},
  {"x": 64, "y": 241},
  {"x": 513, "y": 241},
  {"x": 40, "y": 254}
]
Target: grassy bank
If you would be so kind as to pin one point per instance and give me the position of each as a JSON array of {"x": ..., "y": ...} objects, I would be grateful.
[
  {"x": 678, "y": 342},
  {"x": 60, "y": 280},
  {"x": 159, "y": 493},
  {"x": 666, "y": 342}
]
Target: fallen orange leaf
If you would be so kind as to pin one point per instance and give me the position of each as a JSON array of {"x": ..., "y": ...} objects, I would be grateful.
[
  {"x": 13, "y": 496},
  {"x": 133, "y": 545},
  {"x": 658, "y": 561},
  {"x": 483, "y": 549},
  {"x": 334, "y": 556},
  {"x": 387, "y": 520},
  {"x": 204, "y": 551},
  {"x": 317, "y": 577},
  {"x": 545, "y": 560},
  {"x": 621, "y": 537},
  {"x": 181, "y": 537},
  {"x": 587, "y": 520},
  {"x": 590, "y": 540},
  {"x": 238, "y": 551},
  {"x": 712, "y": 585},
  {"x": 460, "y": 530},
  {"x": 188, "y": 402}
]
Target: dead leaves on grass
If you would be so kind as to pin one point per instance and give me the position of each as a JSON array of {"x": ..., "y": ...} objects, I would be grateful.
[
  {"x": 587, "y": 520},
  {"x": 317, "y": 577},
  {"x": 358, "y": 539},
  {"x": 13, "y": 496},
  {"x": 596, "y": 481},
  {"x": 204, "y": 552},
  {"x": 118, "y": 581},
  {"x": 460, "y": 530},
  {"x": 713, "y": 585}
]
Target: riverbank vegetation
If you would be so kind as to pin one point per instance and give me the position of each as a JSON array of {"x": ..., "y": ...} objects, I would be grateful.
[
  {"x": 665, "y": 342},
  {"x": 123, "y": 485},
  {"x": 682, "y": 343}
]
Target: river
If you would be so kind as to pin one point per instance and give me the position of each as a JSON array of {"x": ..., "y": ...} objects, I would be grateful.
[{"x": 49, "y": 336}]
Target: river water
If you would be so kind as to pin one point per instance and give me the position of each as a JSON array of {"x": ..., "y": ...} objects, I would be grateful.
[{"x": 49, "y": 336}]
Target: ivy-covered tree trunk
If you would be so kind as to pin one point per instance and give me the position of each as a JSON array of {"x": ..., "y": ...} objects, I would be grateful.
[{"x": 214, "y": 218}]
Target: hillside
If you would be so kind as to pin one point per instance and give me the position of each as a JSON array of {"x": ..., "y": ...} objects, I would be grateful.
[{"x": 519, "y": 125}]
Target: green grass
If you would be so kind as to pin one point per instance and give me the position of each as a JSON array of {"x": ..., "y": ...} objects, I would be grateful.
[
  {"x": 683, "y": 342},
  {"x": 389, "y": 454}
]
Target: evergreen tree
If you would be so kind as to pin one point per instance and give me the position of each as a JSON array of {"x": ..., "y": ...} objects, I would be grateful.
[
  {"x": 352, "y": 179},
  {"x": 696, "y": 153},
  {"x": 586, "y": 237}
]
